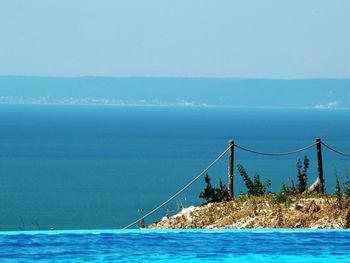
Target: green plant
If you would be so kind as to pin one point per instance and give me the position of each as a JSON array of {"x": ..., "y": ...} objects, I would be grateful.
[
  {"x": 214, "y": 195},
  {"x": 302, "y": 168},
  {"x": 338, "y": 193},
  {"x": 346, "y": 182},
  {"x": 285, "y": 189},
  {"x": 255, "y": 187},
  {"x": 288, "y": 190},
  {"x": 281, "y": 198},
  {"x": 292, "y": 188},
  {"x": 141, "y": 223},
  {"x": 283, "y": 195},
  {"x": 222, "y": 192}
]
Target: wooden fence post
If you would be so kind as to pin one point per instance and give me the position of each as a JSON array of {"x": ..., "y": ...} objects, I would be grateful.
[
  {"x": 320, "y": 165},
  {"x": 230, "y": 170}
]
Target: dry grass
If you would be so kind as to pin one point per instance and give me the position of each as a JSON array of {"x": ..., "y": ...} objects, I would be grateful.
[{"x": 271, "y": 211}]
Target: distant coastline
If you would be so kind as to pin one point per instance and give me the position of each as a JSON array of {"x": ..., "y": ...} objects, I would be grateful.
[
  {"x": 113, "y": 103},
  {"x": 177, "y": 92}
]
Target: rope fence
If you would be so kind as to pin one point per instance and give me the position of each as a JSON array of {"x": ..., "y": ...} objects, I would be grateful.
[
  {"x": 230, "y": 149},
  {"x": 336, "y": 151},
  {"x": 180, "y": 191},
  {"x": 276, "y": 154}
]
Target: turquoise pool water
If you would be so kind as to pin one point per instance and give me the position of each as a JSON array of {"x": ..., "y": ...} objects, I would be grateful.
[{"x": 176, "y": 246}]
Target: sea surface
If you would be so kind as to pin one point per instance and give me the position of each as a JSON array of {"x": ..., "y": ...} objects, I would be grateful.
[
  {"x": 98, "y": 167},
  {"x": 176, "y": 246}
]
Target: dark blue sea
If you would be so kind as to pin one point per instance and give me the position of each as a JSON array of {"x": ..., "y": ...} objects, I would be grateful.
[{"x": 95, "y": 167}]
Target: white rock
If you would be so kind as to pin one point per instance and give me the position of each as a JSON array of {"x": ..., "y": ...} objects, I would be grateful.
[
  {"x": 188, "y": 209},
  {"x": 185, "y": 212}
]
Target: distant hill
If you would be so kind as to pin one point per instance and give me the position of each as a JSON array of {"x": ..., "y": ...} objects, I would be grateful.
[{"x": 312, "y": 93}]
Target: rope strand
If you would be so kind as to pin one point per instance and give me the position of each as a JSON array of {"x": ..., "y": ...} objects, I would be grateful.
[
  {"x": 275, "y": 154},
  {"x": 336, "y": 151},
  {"x": 180, "y": 191}
]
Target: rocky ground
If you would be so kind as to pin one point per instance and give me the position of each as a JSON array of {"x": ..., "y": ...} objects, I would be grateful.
[{"x": 272, "y": 211}]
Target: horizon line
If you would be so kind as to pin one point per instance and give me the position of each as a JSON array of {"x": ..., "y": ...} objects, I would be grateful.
[
  {"x": 172, "y": 77},
  {"x": 175, "y": 105}
]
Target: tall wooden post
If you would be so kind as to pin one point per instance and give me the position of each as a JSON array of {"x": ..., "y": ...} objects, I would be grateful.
[
  {"x": 320, "y": 165},
  {"x": 230, "y": 169}
]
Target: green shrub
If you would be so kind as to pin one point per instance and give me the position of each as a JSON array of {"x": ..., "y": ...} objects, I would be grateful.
[
  {"x": 346, "y": 182},
  {"x": 222, "y": 192},
  {"x": 285, "y": 189},
  {"x": 141, "y": 223},
  {"x": 284, "y": 195},
  {"x": 255, "y": 187},
  {"x": 292, "y": 189},
  {"x": 283, "y": 198},
  {"x": 214, "y": 195},
  {"x": 302, "y": 168},
  {"x": 338, "y": 192}
]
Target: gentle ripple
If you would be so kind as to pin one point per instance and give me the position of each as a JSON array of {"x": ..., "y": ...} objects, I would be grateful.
[{"x": 176, "y": 246}]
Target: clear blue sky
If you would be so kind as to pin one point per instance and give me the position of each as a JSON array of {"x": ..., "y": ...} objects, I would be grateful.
[{"x": 189, "y": 38}]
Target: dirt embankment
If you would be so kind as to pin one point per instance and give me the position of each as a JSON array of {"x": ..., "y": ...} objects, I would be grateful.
[{"x": 265, "y": 212}]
